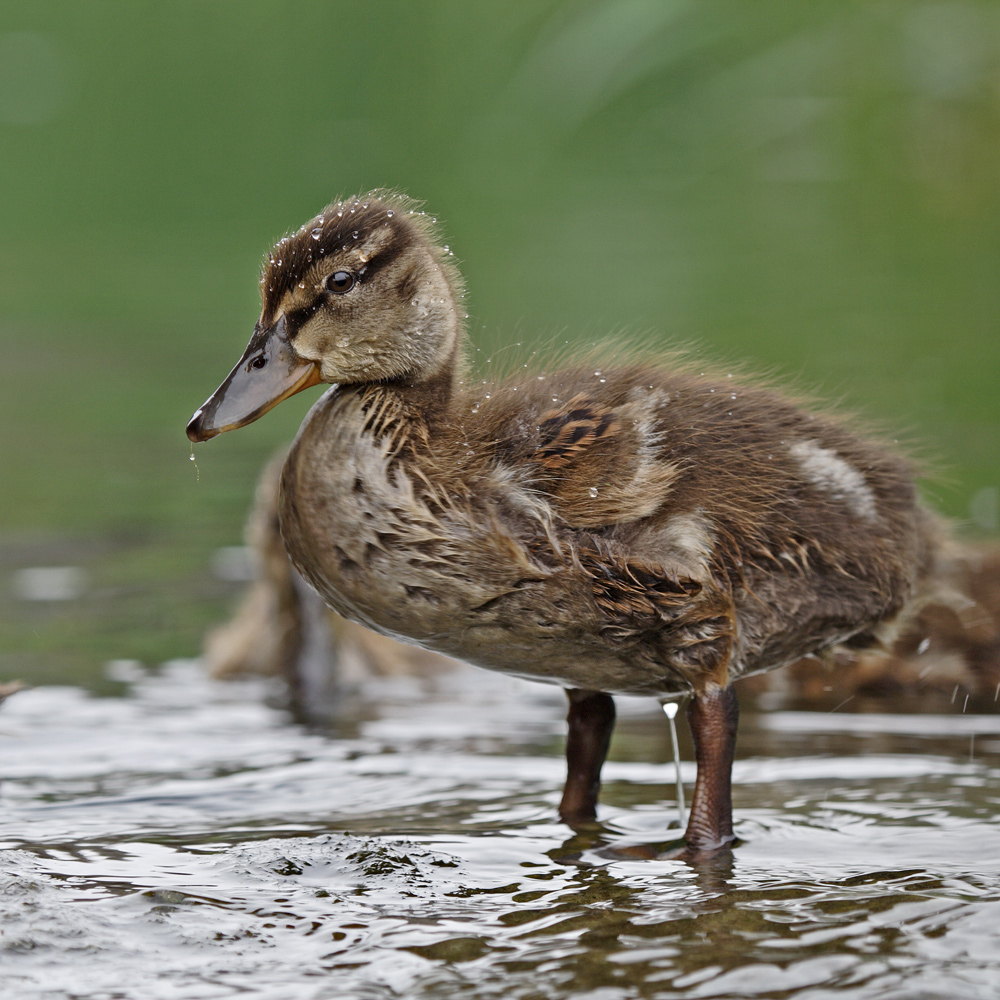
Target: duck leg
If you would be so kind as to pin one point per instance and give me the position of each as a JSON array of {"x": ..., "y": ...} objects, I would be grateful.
[
  {"x": 712, "y": 717},
  {"x": 591, "y": 719}
]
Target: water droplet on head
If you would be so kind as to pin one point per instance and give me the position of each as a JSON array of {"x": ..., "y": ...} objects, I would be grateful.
[
  {"x": 592, "y": 491},
  {"x": 602, "y": 380},
  {"x": 317, "y": 233},
  {"x": 389, "y": 214},
  {"x": 354, "y": 235}
]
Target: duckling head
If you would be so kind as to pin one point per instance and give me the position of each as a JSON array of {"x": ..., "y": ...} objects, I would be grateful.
[{"x": 361, "y": 293}]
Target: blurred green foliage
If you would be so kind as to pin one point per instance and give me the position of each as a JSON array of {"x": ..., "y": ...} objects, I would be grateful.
[{"x": 812, "y": 187}]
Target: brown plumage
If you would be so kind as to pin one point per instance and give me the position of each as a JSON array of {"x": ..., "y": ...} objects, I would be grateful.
[
  {"x": 282, "y": 628},
  {"x": 634, "y": 529}
]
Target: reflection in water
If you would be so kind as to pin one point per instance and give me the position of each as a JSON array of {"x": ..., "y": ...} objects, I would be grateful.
[{"x": 189, "y": 841}]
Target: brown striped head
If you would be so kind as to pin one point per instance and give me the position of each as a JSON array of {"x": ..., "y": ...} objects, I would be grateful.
[{"x": 361, "y": 293}]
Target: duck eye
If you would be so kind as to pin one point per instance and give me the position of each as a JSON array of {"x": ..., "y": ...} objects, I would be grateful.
[
  {"x": 340, "y": 282},
  {"x": 259, "y": 362}
]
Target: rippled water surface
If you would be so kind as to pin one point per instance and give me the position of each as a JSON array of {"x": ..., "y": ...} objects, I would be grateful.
[{"x": 191, "y": 841}]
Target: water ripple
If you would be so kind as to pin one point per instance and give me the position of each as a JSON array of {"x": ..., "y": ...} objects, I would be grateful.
[{"x": 190, "y": 841}]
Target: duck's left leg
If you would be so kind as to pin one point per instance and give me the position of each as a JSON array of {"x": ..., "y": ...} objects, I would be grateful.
[
  {"x": 591, "y": 720},
  {"x": 712, "y": 716}
]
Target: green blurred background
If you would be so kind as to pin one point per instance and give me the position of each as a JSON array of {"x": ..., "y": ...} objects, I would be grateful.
[{"x": 812, "y": 187}]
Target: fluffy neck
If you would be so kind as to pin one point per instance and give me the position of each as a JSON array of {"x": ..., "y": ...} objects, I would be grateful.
[
  {"x": 431, "y": 394},
  {"x": 436, "y": 335}
]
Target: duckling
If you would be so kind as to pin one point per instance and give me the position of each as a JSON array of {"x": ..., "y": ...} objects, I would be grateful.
[{"x": 638, "y": 528}]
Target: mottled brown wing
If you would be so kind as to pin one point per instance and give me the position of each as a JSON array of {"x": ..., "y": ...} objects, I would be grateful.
[
  {"x": 600, "y": 464},
  {"x": 568, "y": 431}
]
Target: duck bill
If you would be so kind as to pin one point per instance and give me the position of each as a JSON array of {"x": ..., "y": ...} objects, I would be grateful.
[{"x": 268, "y": 372}]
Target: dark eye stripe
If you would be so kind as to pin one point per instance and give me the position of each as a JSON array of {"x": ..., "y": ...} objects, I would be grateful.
[
  {"x": 297, "y": 317},
  {"x": 387, "y": 254}
]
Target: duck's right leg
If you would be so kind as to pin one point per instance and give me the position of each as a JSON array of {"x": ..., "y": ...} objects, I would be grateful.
[
  {"x": 713, "y": 716},
  {"x": 591, "y": 720}
]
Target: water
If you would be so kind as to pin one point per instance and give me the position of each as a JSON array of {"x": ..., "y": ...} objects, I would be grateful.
[{"x": 190, "y": 841}]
